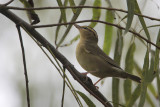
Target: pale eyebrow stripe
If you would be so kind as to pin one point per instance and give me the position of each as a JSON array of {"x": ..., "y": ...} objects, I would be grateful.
[{"x": 91, "y": 29}]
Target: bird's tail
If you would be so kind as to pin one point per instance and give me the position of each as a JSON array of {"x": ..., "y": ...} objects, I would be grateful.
[{"x": 132, "y": 77}]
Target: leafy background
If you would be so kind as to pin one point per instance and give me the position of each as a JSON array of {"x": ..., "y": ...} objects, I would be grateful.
[{"x": 46, "y": 84}]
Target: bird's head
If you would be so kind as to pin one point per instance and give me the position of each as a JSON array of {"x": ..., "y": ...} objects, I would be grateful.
[{"x": 87, "y": 33}]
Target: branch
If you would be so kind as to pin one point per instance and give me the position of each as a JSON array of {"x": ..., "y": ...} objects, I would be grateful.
[
  {"x": 120, "y": 27},
  {"x": 83, "y": 80},
  {"x": 24, "y": 64},
  {"x": 68, "y": 7},
  {"x": 9, "y": 2}
]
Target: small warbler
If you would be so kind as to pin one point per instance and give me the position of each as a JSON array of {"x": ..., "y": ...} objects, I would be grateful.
[{"x": 94, "y": 60}]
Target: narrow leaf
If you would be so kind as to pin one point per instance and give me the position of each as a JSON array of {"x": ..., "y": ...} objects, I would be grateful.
[
  {"x": 138, "y": 68},
  {"x": 158, "y": 86},
  {"x": 86, "y": 99},
  {"x": 63, "y": 13},
  {"x": 143, "y": 94},
  {"x": 152, "y": 90},
  {"x": 72, "y": 3},
  {"x": 96, "y": 13},
  {"x": 117, "y": 57},
  {"x": 144, "y": 80},
  {"x": 134, "y": 96},
  {"x": 129, "y": 64},
  {"x": 131, "y": 6},
  {"x": 60, "y": 20},
  {"x": 137, "y": 10},
  {"x": 108, "y": 32},
  {"x": 118, "y": 47},
  {"x": 72, "y": 20},
  {"x": 150, "y": 100},
  {"x": 57, "y": 29},
  {"x": 156, "y": 67},
  {"x": 151, "y": 73},
  {"x": 32, "y": 16},
  {"x": 115, "y": 92}
]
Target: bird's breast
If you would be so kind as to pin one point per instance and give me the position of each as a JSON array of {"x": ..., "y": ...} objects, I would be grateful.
[{"x": 82, "y": 56}]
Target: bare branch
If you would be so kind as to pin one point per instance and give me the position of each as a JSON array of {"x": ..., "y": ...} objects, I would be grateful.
[
  {"x": 120, "y": 27},
  {"x": 24, "y": 63},
  {"x": 63, "y": 92},
  {"x": 68, "y": 7},
  {"x": 8, "y": 3}
]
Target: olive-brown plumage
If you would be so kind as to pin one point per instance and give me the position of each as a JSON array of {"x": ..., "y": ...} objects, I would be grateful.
[{"x": 94, "y": 60}]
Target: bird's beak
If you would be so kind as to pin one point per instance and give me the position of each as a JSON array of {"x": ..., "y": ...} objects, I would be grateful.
[{"x": 77, "y": 26}]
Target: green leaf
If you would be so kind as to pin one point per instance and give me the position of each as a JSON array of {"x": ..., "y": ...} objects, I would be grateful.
[
  {"x": 138, "y": 68},
  {"x": 129, "y": 64},
  {"x": 158, "y": 85},
  {"x": 72, "y": 3},
  {"x": 63, "y": 13},
  {"x": 150, "y": 100},
  {"x": 134, "y": 96},
  {"x": 118, "y": 47},
  {"x": 131, "y": 6},
  {"x": 115, "y": 92},
  {"x": 32, "y": 16},
  {"x": 143, "y": 95},
  {"x": 129, "y": 61},
  {"x": 86, "y": 99},
  {"x": 144, "y": 80},
  {"x": 137, "y": 10},
  {"x": 151, "y": 73},
  {"x": 72, "y": 20},
  {"x": 156, "y": 67},
  {"x": 152, "y": 90},
  {"x": 108, "y": 32},
  {"x": 57, "y": 29},
  {"x": 60, "y": 20},
  {"x": 96, "y": 13},
  {"x": 117, "y": 57}
]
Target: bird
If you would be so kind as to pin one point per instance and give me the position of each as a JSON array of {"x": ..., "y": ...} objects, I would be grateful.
[{"x": 92, "y": 59}]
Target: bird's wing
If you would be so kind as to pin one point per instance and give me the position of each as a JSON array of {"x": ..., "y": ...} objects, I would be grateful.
[{"x": 95, "y": 50}]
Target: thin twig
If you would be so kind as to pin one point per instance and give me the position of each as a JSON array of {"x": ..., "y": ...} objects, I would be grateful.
[
  {"x": 8, "y": 3},
  {"x": 62, "y": 101},
  {"x": 68, "y": 7},
  {"x": 24, "y": 64},
  {"x": 120, "y": 27},
  {"x": 71, "y": 86}
]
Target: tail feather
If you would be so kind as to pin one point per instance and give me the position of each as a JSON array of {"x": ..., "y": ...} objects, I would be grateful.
[{"x": 132, "y": 77}]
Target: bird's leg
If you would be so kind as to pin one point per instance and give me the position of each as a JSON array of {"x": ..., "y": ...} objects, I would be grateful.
[
  {"x": 98, "y": 81},
  {"x": 85, "y": 73}
]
